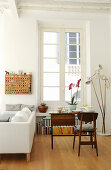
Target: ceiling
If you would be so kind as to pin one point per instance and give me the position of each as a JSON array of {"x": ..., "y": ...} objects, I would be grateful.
[{"x": 56, "y": 5}]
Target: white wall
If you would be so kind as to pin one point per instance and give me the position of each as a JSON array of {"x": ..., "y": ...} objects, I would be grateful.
[
  {"x": 19, "y": 48},
  {"x": 100, "y": 54},
  {"x": 19, "y": 52}
]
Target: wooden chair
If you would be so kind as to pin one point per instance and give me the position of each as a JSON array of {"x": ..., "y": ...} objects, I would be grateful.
[
  {"x": 84, "y": 130},
  {"x": 61, "y": 119}
]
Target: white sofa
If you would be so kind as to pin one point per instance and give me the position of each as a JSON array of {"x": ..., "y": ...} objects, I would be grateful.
[{"x": 17, "y": 137}]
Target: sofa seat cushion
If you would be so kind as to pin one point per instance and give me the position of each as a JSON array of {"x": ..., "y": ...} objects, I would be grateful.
[{"x": 87, "y": 126}]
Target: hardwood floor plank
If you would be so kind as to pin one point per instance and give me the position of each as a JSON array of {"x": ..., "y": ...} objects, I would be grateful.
[{"x": 62, "y": 157}]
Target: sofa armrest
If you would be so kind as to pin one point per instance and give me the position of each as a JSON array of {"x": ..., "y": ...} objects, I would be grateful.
[{"x": 16, "y": 137}]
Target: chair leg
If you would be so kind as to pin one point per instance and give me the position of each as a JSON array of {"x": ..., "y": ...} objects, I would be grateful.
[
  {"x": 74, "y": 140},
  {"x": 95, "y": 140},
  {"x": 79, "y": 143},
  {"x": 91, "y": 138},
  {"x": 52, "y": 138},
  {"x": 0, "y": 157}
]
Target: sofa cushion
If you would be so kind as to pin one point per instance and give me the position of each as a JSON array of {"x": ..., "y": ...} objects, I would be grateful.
[
  {"x": 20, "y": 117},
  {"x": 87, "y": 126},
  {"x": 27, "y": 111},
  {"x": 13, "y": 107},
  {"x": 22, "y": 113},
  {"x": 31, "y": 107},
  {"x": 10, "y": 113},
  {"x": 4, "y": 118}
]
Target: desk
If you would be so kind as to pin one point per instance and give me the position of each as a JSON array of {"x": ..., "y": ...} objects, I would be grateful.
[{"x": 61, "y": 119}]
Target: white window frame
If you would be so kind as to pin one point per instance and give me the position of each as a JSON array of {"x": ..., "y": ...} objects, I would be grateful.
[{"x": 43, "y": 29}]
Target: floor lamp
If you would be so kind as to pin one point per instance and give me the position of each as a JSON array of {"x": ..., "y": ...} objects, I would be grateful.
[{"x": 102, "y": 100}]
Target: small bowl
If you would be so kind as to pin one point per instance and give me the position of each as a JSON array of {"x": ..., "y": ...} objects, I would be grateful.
[
  {"x": 89, "y": 109},
  {"x": 83, "y": 109}
]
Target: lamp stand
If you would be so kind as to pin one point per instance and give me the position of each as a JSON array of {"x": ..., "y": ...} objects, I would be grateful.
[{"x": 103, "y": 134}]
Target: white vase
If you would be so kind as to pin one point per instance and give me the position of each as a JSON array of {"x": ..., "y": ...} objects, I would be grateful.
[{"x": 72, "y": 107}]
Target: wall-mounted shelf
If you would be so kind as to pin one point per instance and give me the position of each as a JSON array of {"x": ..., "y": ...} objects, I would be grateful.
[{"x": 18, "y": 84}]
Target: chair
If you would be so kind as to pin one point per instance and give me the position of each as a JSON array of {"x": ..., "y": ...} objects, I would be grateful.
[
  {"x": 86, "y": 130},
  {"x": 61, "y": 119}
]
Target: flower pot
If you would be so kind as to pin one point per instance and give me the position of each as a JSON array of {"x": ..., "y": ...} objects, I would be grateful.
[
  {"x": 72, "y": 107},
  {"x": 42, "y": 109}
]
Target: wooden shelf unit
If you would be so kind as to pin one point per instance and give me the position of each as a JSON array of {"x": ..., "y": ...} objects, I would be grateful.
[{"x": 18, "y": 84}]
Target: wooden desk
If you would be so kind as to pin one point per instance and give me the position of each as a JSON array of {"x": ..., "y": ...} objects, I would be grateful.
[{"x": 61, "y": 119}]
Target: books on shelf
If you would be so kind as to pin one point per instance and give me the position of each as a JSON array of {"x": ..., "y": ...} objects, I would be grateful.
[
  {"x": 46, "y": 130},
  {"x": 57, "y": 130},
  {"x": 63, "y": 130},
  {"x": 44, "y": 127}
]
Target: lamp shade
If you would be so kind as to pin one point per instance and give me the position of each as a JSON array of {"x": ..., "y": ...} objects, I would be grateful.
[
  {"x": 99, "y": 68},
  {"x": 88, "y": 82},
  {"x": 103, "y": 77}
]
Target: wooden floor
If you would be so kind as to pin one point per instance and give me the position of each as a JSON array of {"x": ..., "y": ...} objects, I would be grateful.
[{"x": 62, "y": 157}]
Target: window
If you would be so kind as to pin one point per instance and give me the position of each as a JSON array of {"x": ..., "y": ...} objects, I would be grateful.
[
  {"x": 51, "y": 66},
  {"x": 72, "y": 61},
  {"x": 60, "y": 64}
]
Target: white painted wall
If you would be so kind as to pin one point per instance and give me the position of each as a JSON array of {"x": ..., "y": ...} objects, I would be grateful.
[
  {"x": 19, "y": 48},
  {"x": 19, "y": 52},
  {"x": 100, "y": 54}
]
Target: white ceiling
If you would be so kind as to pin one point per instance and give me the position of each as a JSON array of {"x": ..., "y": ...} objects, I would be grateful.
[{"x": 57, "y": 5}]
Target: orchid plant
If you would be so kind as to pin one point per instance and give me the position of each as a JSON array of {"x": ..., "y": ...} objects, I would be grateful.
[{"x": 74, "y": 97}]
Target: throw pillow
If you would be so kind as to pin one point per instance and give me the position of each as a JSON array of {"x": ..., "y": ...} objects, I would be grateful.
[
  {"x": 19, "y": 118},
  {"x": 26, "y": 111},
  {"x": 13, "y": 107},
  {"x": 87, "y": 126},
  {"x": 2, "y": 119},
  {"x": 23, "y": 114},
  {"x": 31, "y": 107}
]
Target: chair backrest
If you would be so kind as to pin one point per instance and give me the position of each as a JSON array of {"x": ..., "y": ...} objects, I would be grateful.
[
  {"x": 87, "y": 116},
  {"x": 62, "y": 119}
]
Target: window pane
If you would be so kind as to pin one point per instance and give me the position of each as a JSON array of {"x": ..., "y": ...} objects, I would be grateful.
[
  {"x": 51, "y": 79},
  {"x": 76, "y": 69},
  {"x": 72, "y": 54},
  {"x": 73, "y": 50},
  {"x": 50, "y": 65},
  {"x": 72, "y": 38},
  {"x": 71, "y": 78},
  {"x": 51, "y": 37},
  {"x": 51, "y": 51},
  {"x": 72, "y": 61},
  {"x": 51, "y": 93}
]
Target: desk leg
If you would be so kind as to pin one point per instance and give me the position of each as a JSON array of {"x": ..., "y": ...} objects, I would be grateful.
[
  {"x": 74, "y": 140},
  {"x": 52, "y": 137}
]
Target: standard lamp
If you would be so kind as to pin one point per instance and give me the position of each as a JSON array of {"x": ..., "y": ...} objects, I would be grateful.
[{"x": 101, "y": 101}]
